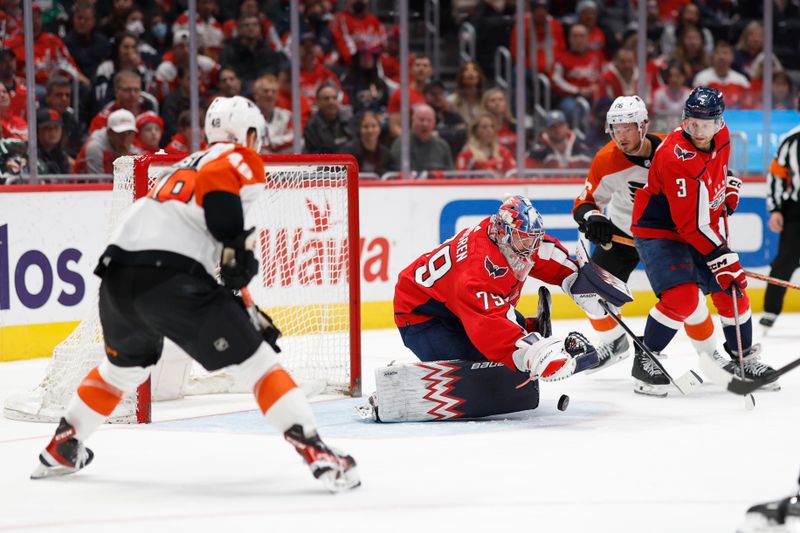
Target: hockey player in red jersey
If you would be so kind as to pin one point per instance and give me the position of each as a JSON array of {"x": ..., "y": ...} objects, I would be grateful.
[
  {"x": 604, "y": 209},
  {"x": 458, "y": 300},
  {"x": 158, "y": 281},
  {"x": 676, "y": 219}
]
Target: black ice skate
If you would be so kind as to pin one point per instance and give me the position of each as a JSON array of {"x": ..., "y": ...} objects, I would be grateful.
[
  {"x": 648, "y": 378},
  {"x": 773, "y": 517},
  {"x": 334, "y": 469},
  {"x": 766, "y": 322},
  {"x": 612, "y": 352},
  {"x": 64, "y": 455},
  {"x": 753, "y": 367}
]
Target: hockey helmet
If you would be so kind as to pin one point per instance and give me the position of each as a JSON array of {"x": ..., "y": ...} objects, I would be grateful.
[
  {"x": 230, "y": 119},
  {"x": 703, "y": 104},
  {"x": 517, "y": 226},
  {"x": 627, "y": 110}
]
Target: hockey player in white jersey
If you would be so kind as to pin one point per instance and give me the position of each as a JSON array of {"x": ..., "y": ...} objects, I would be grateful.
[{"x": 158, "y": 281}]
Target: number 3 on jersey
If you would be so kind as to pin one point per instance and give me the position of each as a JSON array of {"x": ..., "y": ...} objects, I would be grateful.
[{"x": 437, "y": 266}]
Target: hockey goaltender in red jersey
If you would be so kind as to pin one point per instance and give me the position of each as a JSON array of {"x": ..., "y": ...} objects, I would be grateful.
[
  {"x": 158, "y": 281},
  {"x": 456, "y": 304}
]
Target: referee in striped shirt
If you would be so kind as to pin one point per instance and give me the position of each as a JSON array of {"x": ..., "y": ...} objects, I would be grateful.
[{"x": 783, "y": 186}]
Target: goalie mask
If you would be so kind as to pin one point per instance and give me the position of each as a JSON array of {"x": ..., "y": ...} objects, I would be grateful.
[{"x": 517, "y": 229}]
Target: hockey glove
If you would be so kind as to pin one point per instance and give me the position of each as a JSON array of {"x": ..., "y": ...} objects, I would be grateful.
[
  {"x": 725, "y": 266},
  {"x": 238, "y": 265},
  {"x": 545, "y": 359},
  {"x": 598, "y": 227},
  {"x": 269, "y": 330},
  {"x": 589, "y": 301},
  {"x": 733, "y": 186}
]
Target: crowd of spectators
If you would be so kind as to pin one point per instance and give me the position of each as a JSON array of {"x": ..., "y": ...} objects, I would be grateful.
[{"x": 112, "y": 77}]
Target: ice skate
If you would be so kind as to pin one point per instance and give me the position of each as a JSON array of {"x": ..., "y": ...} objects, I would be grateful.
[
  {"x": 612, "y": 352},
  {"x": 766, "y": 322},
  {"x": 64, "y": 455},
  {"x": 334, "y": 469},
  {"x": 753, "y": 367},
  {"x": 648, "y": 378},
  {"x": 369, "y": 411},
  {"x": 773, "y": 517}
]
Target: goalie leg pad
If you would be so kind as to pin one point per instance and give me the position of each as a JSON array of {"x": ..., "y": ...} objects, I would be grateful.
[{"x": 449, "y": 390}]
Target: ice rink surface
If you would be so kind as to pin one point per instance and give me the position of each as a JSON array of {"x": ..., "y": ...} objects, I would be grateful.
[{"x": 614, "y": 461}]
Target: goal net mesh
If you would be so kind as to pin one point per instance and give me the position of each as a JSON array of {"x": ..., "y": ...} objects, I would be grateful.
[{"x": 303, "y": 223}]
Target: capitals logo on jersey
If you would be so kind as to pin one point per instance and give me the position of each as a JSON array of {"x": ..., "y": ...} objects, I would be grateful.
[
  {"x": 494, "y": 270},
  {"x": 684, "y": 155}
]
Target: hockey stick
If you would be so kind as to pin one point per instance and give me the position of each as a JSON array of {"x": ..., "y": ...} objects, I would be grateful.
[
  {"x": 743, "y": 387},
  {"x": 619, "y": 239},
  {"x": 685, "y": 383},
  {"x": 772, "y": 281}
]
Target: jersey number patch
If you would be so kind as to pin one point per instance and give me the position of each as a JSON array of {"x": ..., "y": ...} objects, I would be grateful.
[
  {"x": 178, "y": 185},
  {"x": 437, "y": 266}
]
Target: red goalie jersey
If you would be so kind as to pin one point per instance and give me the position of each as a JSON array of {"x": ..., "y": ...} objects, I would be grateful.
[
  {"x": 468, "y": 281},
  {"x": 685, "y": 192}
]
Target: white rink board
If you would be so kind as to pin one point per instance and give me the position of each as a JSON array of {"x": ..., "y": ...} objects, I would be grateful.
[{"x": 398, "y": 223}]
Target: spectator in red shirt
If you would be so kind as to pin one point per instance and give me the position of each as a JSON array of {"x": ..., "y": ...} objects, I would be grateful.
[
  {"x": 587, "y": 15},
  {"x": 577, "y": 72},
  {"x": 14, "y": 85},
  {"x": 421, "y": 72},
  {"x": 151, "y": 129},
  {"x": 49, "y": 53},
  {"x": 353, "y": 27},
  {"x": 166, "y": 77},
  {"x": 621, "y": 76},
  {"x": 496, "y": 104},
  {"x": 284, "y": 99},
  {"x": 11, "y": 18},
  {"x": 482, "y": 151},
  {"x": 181, "y": 142},
  {"x": 107, "y": 144},
  {"x": 14, "y": 126},
  {"x": 210, "y": 35},
  {"x": 312, "y": 72},
  {"x": 721, "y": 76},
  {"x": 549, "y": 37},
  {"x": 127, "y": 95},
  {"x": 389, "y": 60}
]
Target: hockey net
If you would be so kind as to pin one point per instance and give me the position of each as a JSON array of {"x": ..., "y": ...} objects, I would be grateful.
[{"x": 307, "y": 246}]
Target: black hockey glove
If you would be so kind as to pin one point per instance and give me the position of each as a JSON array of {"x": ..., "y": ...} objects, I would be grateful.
[
  {"x": 598, "y": 227},
  {"x": 238, "y": 265},
  {"x": 269, "y": 330}
]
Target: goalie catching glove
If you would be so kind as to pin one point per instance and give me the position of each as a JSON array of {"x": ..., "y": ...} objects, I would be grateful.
[
  {"x": 238, "y": 263},
  {"x": 552, "y": 359}
]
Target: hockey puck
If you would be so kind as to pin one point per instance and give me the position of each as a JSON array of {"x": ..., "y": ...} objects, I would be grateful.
[{"x": 563, "y": 402}]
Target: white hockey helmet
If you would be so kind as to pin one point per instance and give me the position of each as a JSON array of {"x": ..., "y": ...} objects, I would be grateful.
[
  {"x": 229, "y": 119},
  {"x": 627, "y": 110}
]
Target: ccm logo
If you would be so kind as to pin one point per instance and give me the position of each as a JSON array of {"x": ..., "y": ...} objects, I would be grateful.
[{"x": 35, "y": 259}]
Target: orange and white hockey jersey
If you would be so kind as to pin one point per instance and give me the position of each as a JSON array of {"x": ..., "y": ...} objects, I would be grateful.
[
  {"x": 168, "y": 226},
  {"x": 614, "y": 177}
]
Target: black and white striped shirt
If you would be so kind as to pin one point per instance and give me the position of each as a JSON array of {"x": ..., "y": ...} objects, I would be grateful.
[{"x": 783, "y": 178}]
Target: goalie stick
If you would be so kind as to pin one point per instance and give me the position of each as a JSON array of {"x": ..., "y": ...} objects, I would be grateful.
[{"x": 685, "y": 383}]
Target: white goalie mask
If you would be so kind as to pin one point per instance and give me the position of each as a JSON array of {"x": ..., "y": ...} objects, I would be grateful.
[
  {"x": 229, "y": 119},
  {"x": 627, "y": 110}
]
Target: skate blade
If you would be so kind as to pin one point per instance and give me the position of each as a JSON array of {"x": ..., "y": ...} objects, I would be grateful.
[
  {"x": 337, "y": 481},
  {"x": 614, "y": 359},
  {"x": 43, "y": 471},
  {"x": 647, "y": 389},
  {"x": 757, "y": 523}
]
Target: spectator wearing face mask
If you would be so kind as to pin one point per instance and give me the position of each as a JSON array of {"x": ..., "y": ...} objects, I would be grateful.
[{"x": 135, "y": 24}]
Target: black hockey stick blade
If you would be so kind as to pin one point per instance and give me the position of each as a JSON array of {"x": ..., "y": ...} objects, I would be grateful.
[
  {"x": 684, "y": 383},
  {"x": 743, "y": 387}
]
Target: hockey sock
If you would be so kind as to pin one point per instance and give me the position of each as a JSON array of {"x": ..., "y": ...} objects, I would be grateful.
[
  {"x": 607, "y": 328},
  {"x": 724, "y": 304},
  {"x": 93, "y": 402},
  {"x": 657, "y": 334},
  {"x": 700, "y": 328},
  {"x": 282, "y": 402},
  {"x": 674, "y": 306},
  {"x": 747, "y": 335}
]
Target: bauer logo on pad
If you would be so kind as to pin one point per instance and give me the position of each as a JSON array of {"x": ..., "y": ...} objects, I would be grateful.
[{"x": 494, "y": 270}]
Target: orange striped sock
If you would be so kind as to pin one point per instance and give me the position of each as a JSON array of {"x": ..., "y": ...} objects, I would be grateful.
[
  {"x": 701, "y": 331},
  {"x": 603, "y": 324},
  {"x": 97, "y": 394},
  {"x": 272, "y": 386}
]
